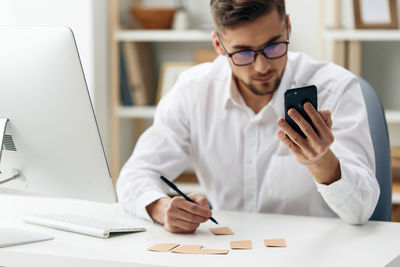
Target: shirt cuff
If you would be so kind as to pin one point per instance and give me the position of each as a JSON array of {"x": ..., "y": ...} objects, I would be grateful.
[
  {"x": 146, "y": 199},
  {"x": 337, "y": 192}
]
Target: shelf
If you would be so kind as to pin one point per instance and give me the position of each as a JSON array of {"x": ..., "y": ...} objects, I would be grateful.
[
  {"x": 164, "y": 35},
  {"x": 395, "y": 198},
  {"x": 136, "y": 112},
  {"x": 363, "y": 35},
  {"x": 392, "y": 116}
]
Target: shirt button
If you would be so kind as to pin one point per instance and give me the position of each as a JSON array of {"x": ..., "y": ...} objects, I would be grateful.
[{"x": 249, "y": 161}]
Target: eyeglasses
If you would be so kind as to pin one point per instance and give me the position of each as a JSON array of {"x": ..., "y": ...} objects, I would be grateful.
[{"x": 247, "y": 57}]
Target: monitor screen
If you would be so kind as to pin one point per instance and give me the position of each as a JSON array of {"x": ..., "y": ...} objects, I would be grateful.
[{"x": 51, "y": 139}]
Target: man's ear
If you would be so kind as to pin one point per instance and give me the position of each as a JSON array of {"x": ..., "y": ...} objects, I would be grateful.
[
  {"x": 289, "y": 24},
  {"x": 217, "y": 44}
]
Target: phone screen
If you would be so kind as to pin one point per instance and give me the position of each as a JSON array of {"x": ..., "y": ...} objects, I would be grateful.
[{"x": 295, "y": 98}]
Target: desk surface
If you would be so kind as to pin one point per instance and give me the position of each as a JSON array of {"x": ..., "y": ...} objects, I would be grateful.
[{"x": 311, "y": 241}]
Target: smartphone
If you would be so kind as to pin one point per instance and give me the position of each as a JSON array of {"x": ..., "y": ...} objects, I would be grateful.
[{"x": 295, "y": 98}]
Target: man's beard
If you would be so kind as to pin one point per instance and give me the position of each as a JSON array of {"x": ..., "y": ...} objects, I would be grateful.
[{"x": 265, "y": 90}]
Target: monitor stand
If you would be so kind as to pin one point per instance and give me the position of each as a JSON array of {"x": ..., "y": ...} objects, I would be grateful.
[
  {"x": 16, "y": 173},
  {"x": 12, "y": 236},
  {"x": 3, "y": 125}
]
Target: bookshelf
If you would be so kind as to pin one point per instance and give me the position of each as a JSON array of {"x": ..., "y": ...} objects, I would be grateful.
[
  {"x": 344, "y": 47},
  {"x": 127, "y": 121},
  {"x": 350, "y": 48},
  {"x": 163, "y": 35}
]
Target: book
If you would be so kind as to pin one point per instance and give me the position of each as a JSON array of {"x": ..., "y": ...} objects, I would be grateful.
[
  {"x": 138, "y": 61},
  {"x": 125, "y": 94}
]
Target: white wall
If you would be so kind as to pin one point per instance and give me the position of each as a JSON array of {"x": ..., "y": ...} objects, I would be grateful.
[
  {"x": 307, "y": 26},
  {"x": 88, "y": 20}
]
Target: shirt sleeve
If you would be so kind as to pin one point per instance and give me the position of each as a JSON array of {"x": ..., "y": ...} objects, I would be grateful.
[
  {"x": 354, "y": 197},
  {"x": 163, "y": 149}
]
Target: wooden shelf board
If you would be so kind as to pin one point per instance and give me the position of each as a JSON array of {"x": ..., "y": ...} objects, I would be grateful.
[
  {"x": 163, "y": 35},
  {"x": 139, "y": 112},
  {"x": 396, "y": 193},
  {"x": 396, "y": 198},
  {"x": 363, "y": 35},
  {"x": 392, "y": 116}
]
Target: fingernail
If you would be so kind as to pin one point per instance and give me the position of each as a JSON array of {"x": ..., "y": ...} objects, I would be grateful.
[
  {"x": 307, "y": 105},
  {"x": 292, "y": 112},
  {"x": 281, "y": 122}
]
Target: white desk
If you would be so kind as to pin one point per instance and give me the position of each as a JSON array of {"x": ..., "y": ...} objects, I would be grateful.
[{"x": 311, "y": 241}]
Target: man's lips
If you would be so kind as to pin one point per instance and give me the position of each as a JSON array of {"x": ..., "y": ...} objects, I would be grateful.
[{"x": 264, "y": 78}]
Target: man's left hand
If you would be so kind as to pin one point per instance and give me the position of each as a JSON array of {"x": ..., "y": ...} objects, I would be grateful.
[{"x": 312, "y": 151}]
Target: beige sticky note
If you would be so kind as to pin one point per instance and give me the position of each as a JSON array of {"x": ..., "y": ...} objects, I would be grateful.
[
  {"x": 198, "y": 249},
  {"x": 221, "y": 231},
  {"x": 163, "y": 247},
  {"x": 188, "y": 249},
  {"x": 213, "y": 251},
  {"x": 243, "y": 244},
  {"x": 279, "y": 242}
]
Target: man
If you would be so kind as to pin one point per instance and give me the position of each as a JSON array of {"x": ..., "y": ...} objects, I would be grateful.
[{"x": 227, "y": 118}]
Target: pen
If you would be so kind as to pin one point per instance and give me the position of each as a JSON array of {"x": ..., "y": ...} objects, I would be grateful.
[{"x": 176, "y": 189}]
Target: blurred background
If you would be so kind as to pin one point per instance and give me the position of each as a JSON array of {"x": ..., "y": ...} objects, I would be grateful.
[{"x": 133, "y": 50}]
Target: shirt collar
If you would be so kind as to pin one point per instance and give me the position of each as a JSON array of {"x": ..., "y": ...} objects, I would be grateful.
[{"x": 231, "y": 92}]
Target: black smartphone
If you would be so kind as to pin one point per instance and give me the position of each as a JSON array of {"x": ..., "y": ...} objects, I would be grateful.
[{"x": 295, "y": 98}]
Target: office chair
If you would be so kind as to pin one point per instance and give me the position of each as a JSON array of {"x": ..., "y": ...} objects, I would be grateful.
[{"x": 380, "y": 141}]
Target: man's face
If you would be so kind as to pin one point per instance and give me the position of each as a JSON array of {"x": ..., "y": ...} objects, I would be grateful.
[{"x": 263, "y": 76}]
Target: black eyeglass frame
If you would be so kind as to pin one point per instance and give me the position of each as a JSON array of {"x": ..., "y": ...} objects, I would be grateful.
[{"x": 256, "y": 52}]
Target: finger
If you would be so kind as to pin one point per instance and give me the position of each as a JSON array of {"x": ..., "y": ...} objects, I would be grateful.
[
  {"x": 316, "y": 119},
  {"x": 326, "y": 116},
  {"x": 185, "y": 226},
  {"x": 177, "y": 230},
  {"x": 199, "y": 199},
  {"x": 303, "y": 124},
  {"x": 294, "y": 136},
  {"x": 175, "y": 216},
  {"x": 322, "y": 127},
  {"x": 186, "y": 216},
  {"x": 192, "y": 208},
  {"x": 289, "y": 144},
  {"x": 177, "y": 226}
]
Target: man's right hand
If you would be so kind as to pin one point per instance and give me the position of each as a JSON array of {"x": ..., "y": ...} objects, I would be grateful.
[{"x": 179, "y": 215}]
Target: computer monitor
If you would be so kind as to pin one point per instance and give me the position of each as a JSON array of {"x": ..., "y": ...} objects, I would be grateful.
[{"x": 52, "y": 144}]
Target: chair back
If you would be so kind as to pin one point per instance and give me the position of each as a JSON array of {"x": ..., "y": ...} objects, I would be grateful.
[{"x": 380, "y": 141}]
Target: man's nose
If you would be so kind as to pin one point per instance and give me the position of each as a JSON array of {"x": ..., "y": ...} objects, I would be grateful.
[{"x": 262, "y": 64}]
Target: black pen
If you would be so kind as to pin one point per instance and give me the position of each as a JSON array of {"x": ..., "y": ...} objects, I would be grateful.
[{"x": 176, "y": 189}]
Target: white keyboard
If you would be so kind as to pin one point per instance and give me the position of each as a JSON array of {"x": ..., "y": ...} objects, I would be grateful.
[{"x": 81, "y": 225}]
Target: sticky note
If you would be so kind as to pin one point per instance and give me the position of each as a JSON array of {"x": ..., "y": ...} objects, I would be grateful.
[
  {"x": 279, "y": 242},
  {"x": 213, "y": 251},
  {"x": 163, "y": 247},
  {"x": 243, "y": 244},
  {"x": 221, "y": 231},
  {"x": 188, "y": 249},
  {"x": 198, "y": 249}
]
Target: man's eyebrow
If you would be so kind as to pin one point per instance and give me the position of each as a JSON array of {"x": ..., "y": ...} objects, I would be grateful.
[{"x": 242, "y": 47}]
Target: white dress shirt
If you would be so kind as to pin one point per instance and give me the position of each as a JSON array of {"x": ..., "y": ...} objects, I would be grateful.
[{"x": 239, "y": 160}]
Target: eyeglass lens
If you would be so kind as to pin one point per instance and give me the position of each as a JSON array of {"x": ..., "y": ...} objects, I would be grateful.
[{"x": 271, "y": 51}]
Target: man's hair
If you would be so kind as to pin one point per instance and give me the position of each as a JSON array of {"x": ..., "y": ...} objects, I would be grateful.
[{"x": 229, "y": 13}]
